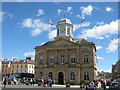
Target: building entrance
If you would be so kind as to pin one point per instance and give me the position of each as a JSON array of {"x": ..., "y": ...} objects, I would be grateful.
[{"x": 60, "y": 78}]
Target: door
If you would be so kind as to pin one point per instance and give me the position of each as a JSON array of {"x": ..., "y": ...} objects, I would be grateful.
[{"x": 60, "y": 78}]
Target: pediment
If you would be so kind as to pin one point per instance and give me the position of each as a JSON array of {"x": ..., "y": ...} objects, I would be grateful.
[{"x": 60, "y": 42}]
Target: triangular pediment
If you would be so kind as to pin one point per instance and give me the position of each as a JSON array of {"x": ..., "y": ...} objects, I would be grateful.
[{"x": 60, "y": 42}]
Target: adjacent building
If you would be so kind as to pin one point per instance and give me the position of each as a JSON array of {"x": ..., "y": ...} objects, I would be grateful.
[
  {"x": 17, "y": 66},
  {"x": 116, "y": 70},
  {"x": 104, "y": 75},
  {"x": 66, "y": 60}
]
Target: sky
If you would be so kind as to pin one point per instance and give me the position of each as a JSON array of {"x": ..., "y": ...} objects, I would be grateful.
[{"x": 26, "y": 25}]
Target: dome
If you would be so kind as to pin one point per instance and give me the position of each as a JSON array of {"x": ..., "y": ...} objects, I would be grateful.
[{"x": 64, "y": 20}]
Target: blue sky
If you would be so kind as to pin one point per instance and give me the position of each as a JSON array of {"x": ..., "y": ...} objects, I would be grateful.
[{"x": 26, "y": 25}]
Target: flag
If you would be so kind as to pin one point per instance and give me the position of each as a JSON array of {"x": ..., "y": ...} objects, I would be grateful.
[{"x": 51, "y": 23}]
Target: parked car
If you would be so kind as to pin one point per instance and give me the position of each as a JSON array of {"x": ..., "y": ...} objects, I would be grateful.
[{"x": 114, "y": 86}]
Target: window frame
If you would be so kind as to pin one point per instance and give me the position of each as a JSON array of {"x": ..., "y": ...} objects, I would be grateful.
[
  {"x": 62, "y": 59},
  {"x": 72, "y": 76},
  {"x": 72, "y": 61},
  {"x": 86, "y": 58}
]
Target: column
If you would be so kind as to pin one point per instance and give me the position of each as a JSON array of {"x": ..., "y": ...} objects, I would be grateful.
[{"x": 67, "y": 57}]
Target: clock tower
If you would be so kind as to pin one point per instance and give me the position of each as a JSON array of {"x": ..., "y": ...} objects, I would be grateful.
[{"x": 64, "y": 28}]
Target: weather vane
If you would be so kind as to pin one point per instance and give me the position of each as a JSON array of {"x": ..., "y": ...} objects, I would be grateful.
[{"x": 65, "y": 14}]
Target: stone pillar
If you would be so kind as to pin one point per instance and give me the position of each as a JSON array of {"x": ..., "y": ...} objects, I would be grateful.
[
  {"x": 67, "y": 57},
  {"x": 56, "y": 57}
]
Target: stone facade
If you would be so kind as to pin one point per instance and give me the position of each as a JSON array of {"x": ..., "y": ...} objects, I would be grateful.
[
  {"x": 17, "y": 66},
  {"x": 66, "y": 60},
  {"x": 116, "y": 70}
]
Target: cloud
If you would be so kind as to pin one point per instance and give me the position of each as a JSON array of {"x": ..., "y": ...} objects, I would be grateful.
[
  {"x": 29, "y": 53},
  {"x": 100, "y": 23},
  {"x": 87, "y": 10},
  {"x": 69, "y": 9},
  {"x": 109, "y": 70},
  {"x": 113, "y": 46},
  {"x": 27, "y": 23},
  {"x": 100, "y": 58},
  {"x": 40, "y": 12},
  {"x": 77, "y": 26},
  {"x": 98, "y": 47},
  {"x": 4, "y": 15},
  {"x": 36, "y": 32},
  {"x": 60, "y": 11},
  {"x": 37, "y": 26},
  {"x": 52, "y": 34},
  {"x": 100, "y": 32},
  {"x": 108, "y": 9}
]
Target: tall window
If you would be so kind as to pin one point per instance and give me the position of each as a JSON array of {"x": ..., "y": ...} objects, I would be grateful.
[
  {"x": 17, "y": 66},
  {"x": 41, "y": 59},
  {"x": 51, "y": 59},
  {"x": 68, "y": 31},
  {"x": 85, "y": 57},
  {"x": 86, "y": 76},
  {"x": 72, "y": 76},
  {"x": 72, "y": 59},
  {"x": 40, "y": 75},
  {"x": 57, "y": 32},
  {"x": 13, "y": 66},
  {"x": 25, "y": 66},
  {"x": 62, "y": 59},
  {"x": 21, "y": 66},
  {"x": 50, "y": 75}
]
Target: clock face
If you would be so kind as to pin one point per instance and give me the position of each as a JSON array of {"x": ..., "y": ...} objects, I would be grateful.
[{"x": 62, "y": 30}]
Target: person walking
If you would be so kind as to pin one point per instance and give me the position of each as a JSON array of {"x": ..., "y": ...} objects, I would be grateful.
[{"x": 4, "y": 81}]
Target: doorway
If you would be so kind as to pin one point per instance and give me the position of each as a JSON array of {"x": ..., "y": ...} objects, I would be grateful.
[{"x": 60, "y": 78}]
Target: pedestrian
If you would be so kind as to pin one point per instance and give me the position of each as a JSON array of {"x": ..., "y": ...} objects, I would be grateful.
[
  {"x": 104, "y": 86},
  {"x": 4, "y": 81},
  {"x": 45, "y": 82},
  {"x": 31, "y": 81}
]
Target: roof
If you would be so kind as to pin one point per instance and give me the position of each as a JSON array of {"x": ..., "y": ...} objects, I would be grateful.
[
  {"x": 20, "y": 61},
  {"x": 64, "y": 20}
]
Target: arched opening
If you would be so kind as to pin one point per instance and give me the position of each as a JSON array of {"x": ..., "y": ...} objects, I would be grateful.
[
  {"x": 60, "y": 78},
  {"x": 50, "y": 75}
]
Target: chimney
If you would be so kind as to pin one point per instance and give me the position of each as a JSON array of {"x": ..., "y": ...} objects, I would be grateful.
[
  {"x": 28, "y": 58},
  {"x": 15, "y": 60},
  {"x": 5, "y": 59}
]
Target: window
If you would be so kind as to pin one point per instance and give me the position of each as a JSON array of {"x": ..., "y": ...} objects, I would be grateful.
[
  {"x": 17, "y": 66},
  {"x": 57, "y": 32},
  {"x": 13, "y": 66},
  {"x": 17, "y": 71},
  {"x": 41, "y": 59},
  {"x": 21, "y": 66},
  {"x": 72, "y": 76},
  {"x": 29, "y": 66},
  {"x": 3, "y": 66},
  {"x": 21, "y": 70},
  {"x": 6, "y": 66},
  {"x": 86, "y": 76},
  {"x": 50, "y": 75},
  {"x": 25, "y": 66},
  {"x": 62, "y": 59},
  {"x": 68, "y": 31},
  {"x": 51, "y": 59},
  {"x": 85, "y": 57},
  {"x": 72, "y": 59},
  {"x": 40, "y": 75}
]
